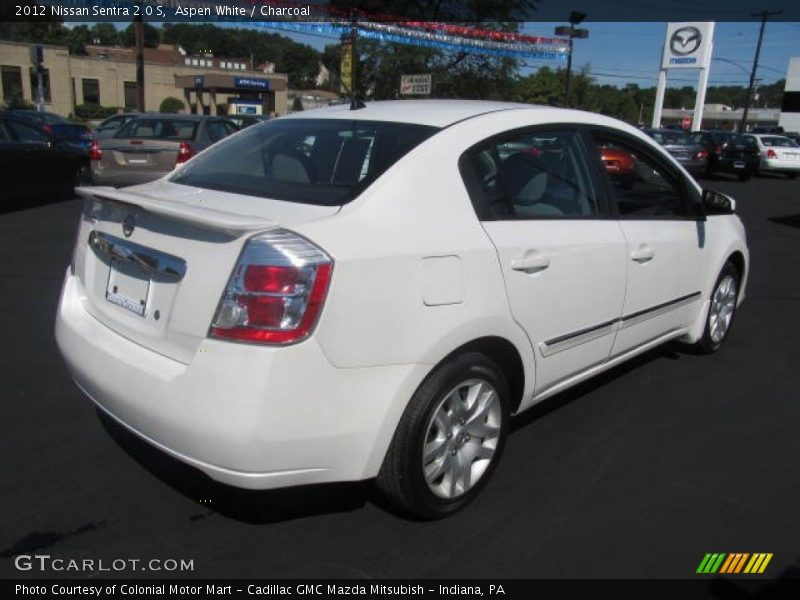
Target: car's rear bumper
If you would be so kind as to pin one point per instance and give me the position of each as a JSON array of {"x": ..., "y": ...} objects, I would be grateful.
[
  {"x": 251, "y": 416},
  {"x": 785, "y": 166}
]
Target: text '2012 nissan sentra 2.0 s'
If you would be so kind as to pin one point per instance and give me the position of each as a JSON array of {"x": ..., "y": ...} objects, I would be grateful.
[{"x": 345, "y": 295}]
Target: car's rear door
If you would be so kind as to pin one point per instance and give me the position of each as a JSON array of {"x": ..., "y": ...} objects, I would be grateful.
[
  {"x": 658, "y": 212},
  {"x": 561, "y": 253}
]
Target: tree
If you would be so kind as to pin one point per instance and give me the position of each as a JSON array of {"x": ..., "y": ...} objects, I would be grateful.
[
  {"x": 152, "y": 36},
  {"x": 105, "y": 34},
  {"x": 171, "y": 105}
]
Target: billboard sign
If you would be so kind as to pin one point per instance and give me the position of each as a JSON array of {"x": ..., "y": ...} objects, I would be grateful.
[{"x": 687, "y": 46}]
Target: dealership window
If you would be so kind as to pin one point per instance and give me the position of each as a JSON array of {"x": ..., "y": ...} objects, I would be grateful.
[
  {"x": 12, "y": 83},
  {"x": 91, "y": 91},
  {"x": 131, "y": 102},
  {"x": 45, "y": 84}
]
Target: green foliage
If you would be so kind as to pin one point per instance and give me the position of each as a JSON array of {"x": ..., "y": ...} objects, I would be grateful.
[
  {"x": 94, "y": 111},
  {"x": 171, "y": 105},
  {"x": 17, "y": 103},
  {"x": 105, "y": 34},
  {"x": 152, "y": 36}
]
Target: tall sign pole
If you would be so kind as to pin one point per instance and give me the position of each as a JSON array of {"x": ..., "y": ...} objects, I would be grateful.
[
  {"x": 575, "y": 18},
  {"x": 764, "y": 14},
  {"x": 138, "y": 34}
]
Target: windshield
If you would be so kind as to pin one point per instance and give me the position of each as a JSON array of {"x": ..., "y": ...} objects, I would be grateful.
[{"x": 312, "y": 161}]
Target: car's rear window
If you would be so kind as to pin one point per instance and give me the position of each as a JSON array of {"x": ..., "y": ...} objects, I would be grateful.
[
  {"x": 777, "y": 141},
  {"x": 159, "y": 129},
  {"x": 311, "y": 161},
  {"x": 672, "y": 138}
]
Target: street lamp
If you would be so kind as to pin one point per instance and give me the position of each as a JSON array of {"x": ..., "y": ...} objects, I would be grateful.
[{"x": 575, "y": 18}]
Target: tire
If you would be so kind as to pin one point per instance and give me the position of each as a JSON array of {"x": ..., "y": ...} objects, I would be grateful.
[
  {"x": 721, "y": 311},
  {"x": 435, "y": 486},
  {"x": 791, "y": 175}
]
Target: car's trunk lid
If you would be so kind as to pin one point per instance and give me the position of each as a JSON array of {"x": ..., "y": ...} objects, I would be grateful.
[{"x": 155, "y": 260}]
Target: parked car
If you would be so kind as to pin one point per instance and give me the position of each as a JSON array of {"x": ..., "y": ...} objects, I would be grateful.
[
  {"x": 794, "y": 136},
  {"x": 619, "y": 164},
  {"x": 149, "y": 147},
  {"x": 779, "y": 154},
  {"x": 57, "y": 126},
  {"x": 34, "y": 162},
  {"x": 729, "y": 152},
  {"x": 688, "y": 152},
  {"x": 110, "y": 126},
  {"x": 372, "y": 293},
  {"x": 243, "y": 121}
]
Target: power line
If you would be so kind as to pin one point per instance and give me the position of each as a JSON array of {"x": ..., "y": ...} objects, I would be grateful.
[{"x": 764, "y": 14}]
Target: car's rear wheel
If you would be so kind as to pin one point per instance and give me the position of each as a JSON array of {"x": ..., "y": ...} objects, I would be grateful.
[
  {"x": 449, "y": 439},
  {"x": 792, "y": 175},
  {"x": 722, "y": 310}
]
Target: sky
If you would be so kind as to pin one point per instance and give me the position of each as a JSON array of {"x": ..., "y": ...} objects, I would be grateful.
[{"x": 619, "y": 53}]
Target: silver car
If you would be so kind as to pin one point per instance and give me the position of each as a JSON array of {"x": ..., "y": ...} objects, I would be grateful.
[
  {"x": 692, "y": 155},
  {"x": 148, "y": 147}
]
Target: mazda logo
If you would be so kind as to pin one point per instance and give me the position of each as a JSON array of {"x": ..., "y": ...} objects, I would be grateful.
[
  {"x": 128, "y": 225},
  {"x": 685, "y": 40}
]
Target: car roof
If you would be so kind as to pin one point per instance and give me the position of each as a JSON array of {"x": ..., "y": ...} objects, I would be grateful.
[{"x": 436, "y": 113}]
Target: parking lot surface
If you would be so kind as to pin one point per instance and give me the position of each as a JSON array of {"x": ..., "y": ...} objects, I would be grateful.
[{"x": 637, "y": 473}]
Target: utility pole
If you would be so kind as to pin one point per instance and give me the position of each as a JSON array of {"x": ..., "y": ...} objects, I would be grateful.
[
  {"x": 575, "y": 18},
  {"x": 138, "y": 34},
  {"x": 764, "y": 14}
]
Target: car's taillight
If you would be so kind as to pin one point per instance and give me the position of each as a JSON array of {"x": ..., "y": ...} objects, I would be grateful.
[
  {"x": 95, "y": 153},
  {"x": 276, "y": 291},
  {"x": 701, "y": 154},
  {"x": 771, "y": 153},
  {"x": 185, "y": 152}
]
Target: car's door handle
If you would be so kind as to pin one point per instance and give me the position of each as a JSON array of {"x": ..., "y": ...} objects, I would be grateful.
[
  {"x": 531, "y": 262},
  {"x": 643, "y": 254}
]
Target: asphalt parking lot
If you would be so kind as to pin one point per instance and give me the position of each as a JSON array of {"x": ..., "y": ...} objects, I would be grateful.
[{"x": 636, "y": 474}]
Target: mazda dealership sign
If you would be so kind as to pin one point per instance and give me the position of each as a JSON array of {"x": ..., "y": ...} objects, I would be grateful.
[{"x": 687, "y": 45}]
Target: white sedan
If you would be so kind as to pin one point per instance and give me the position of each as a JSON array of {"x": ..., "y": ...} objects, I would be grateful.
[
  {"x": 344, "y": 294},
  {"x": 778, "y": 154}
]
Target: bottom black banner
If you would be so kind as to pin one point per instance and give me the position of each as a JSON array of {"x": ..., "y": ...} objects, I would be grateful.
[{"x": 643, "y": 589}]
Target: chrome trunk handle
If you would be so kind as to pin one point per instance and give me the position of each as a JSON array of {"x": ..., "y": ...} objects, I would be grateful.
[{"x": 158, "y": 265}]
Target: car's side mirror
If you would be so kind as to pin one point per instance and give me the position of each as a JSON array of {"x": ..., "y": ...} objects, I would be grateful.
[{"x": 717, "y": 203}]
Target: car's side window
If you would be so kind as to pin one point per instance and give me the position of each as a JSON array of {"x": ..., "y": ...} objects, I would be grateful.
[
  {"x": 26, "y": 133},
  {"x": 643, "y": 186},
  {"x": 531, "y": 175}
]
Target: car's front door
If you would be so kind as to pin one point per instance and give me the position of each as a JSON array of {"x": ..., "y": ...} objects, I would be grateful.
[
  {"x": 658, "y": 211},
  {"x": 562, "y": 256}
]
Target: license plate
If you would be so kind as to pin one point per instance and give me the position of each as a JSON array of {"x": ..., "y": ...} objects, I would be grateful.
[
  {"x": 128, "y": 287},
  {"x": 137, "y": 161},
  {"x": 738, "y": 165}
]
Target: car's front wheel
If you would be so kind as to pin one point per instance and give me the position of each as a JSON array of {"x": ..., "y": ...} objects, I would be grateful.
[
  {"x": 449, "y": 439},
  {"x": 722, "y": 309}
]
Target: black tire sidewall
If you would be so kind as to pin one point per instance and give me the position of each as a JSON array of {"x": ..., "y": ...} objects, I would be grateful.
[
  {"x": 430, "y": 394},
  {"x": 706, "y": 342}
]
